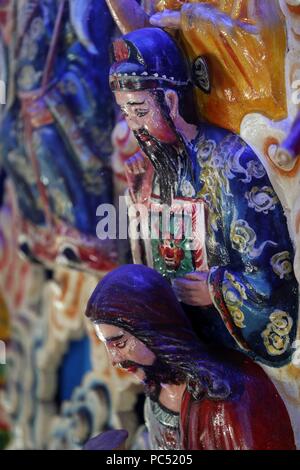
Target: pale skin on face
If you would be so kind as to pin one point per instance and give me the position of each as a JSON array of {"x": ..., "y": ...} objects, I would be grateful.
[
  {"x": 141, "y": 112},
  {"x": 122, "y": 346}
]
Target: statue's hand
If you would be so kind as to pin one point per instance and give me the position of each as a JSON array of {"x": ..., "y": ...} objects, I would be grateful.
[
  {"x": 109, "y": 440},
  {"x": 193, "y": 289},
  {"x": 139, "y": 175},
  {"x": 166, "y": 19},
  {"x": 137, "y": 164}
]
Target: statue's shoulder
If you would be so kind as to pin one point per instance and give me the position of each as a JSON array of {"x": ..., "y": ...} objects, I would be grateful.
[
  {"x": 227, "y": 152},
  {"x": 221, "y": 136},
  {"x": 226, "y": 141}
]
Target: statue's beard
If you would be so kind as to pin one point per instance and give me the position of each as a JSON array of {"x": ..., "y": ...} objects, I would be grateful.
[
  {"x": 155, "y": 375},
  {"x": 170, "y": 162}
]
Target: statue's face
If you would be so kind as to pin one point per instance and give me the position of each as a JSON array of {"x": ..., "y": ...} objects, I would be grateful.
[
  {"x": 150, "y": 118},
  {"x": 142, "y": 112},
  {"x": 125, "y": 350}
]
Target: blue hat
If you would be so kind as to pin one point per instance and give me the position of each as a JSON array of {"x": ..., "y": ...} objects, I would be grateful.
[{"x": 147, "y": 58}]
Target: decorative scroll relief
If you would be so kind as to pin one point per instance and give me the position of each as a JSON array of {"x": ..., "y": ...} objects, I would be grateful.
[
  {"x": 265, "y": 136},
  {"x": 63, "y": 305},
  {"x": 65, "y": 300},
  {"x": 46, "y": 316},
  {"x": 89, "y": 412},
  {"x": 19, "y": 399},
  {"x": 21, "y": 284},
  {"x": 41, "y": 336},
  {"x": 16, "y": 274}
]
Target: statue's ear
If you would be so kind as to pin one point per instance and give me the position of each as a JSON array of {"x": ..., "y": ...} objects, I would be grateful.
[
  {"x": 201, "y": 74},
  {"x": 171, "y": 98}
]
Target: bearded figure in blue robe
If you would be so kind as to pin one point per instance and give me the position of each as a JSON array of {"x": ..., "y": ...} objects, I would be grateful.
[
  {"x": 234, "y": 273},
  {"x": 56, "y": 130}
]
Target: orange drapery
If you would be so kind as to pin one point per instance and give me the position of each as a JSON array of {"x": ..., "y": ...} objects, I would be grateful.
[{"x": 247, "y": 69}]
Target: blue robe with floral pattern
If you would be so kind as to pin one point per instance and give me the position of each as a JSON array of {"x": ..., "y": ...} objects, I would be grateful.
[
  {"x": 73, "y": 147},
  {"x": 249, "y": 251}
]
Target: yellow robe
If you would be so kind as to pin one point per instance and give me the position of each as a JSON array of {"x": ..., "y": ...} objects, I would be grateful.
[{"x": 247, "y": 70}]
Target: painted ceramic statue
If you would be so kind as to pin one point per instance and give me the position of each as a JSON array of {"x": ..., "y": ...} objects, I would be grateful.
[
  {"x": 188, "y": 386},
  {"x": 56, "y": 131},
  {"x": 230, "y": 283}
]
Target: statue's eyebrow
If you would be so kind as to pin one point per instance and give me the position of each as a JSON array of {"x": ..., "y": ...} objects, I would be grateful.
[
  {"x": 111, "y": 339},
  {"x": 135, "y": 103}
]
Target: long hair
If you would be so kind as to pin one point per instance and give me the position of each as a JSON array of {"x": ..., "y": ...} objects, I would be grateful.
[{"x": 139, "y": 300}]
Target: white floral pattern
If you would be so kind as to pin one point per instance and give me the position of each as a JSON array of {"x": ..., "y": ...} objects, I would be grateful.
[
  {"x": 187, "y": 189},
  {"x": 275, "y": 336},
  {"x": 262, "y": 199},
  {"x": 243, "y": 239},
  {"x": 205, "y": 149},
  {"x": 281, "y": 264}
]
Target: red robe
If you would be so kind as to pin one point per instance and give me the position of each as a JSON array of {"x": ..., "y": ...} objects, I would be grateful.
[{"x": 253, "y": 418}]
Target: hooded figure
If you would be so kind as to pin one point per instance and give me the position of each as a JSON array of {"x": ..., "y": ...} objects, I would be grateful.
[{"x": 219, "y": 406}]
